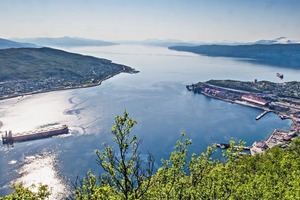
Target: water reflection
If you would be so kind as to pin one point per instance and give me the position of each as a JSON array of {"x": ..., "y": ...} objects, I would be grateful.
[
  {"x": 27, "y": 113},
  {"x": 41, "y": 169}
]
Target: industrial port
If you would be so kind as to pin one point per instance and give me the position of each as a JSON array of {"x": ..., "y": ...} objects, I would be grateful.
[
  {"x": 9, "y": 138},
  {"x": 268, "y": 98}
]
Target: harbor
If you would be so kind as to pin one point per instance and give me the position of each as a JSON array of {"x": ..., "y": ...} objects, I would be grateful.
[
  {"x": 10, "y": 139},
  {"x": 268, "y": 99}
]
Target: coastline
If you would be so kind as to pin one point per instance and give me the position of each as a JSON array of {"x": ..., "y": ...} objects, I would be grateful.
[{"x": 132, "y": 71}]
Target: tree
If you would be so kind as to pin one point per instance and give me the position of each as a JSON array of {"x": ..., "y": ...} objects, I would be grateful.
[
  {"x": 124, "y": 168},
  {"x": 21, "y": 192},
  {"x": 90, "y": 189}
]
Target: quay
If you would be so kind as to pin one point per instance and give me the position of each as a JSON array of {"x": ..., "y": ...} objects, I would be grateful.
[
  {"x": 226, "y": 146},
  {"x": 261, "y": 115},
  {"x": 278, "y": 137},
  {"x": 8, "y": 138}
]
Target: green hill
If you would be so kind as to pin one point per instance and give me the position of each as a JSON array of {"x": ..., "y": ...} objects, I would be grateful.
[{"x": 27, "y": 70}]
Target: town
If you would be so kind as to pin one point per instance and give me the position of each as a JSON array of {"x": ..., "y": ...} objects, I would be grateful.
[{"x": 280, "y": 98}]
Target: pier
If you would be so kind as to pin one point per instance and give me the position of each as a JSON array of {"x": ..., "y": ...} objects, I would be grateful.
[
  {"x": 261, "y": 115},
  {"x": 226, "y": 146},
  {"x": 8, "y": 138}
]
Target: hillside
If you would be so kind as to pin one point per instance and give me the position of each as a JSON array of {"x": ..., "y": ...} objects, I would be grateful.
[
  {"x": 29, "y": 70},
  {"x": 281, "y": 55},
  {"x": 6, "y": 44}
]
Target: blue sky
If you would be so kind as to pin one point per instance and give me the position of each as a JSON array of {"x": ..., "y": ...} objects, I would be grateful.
[{"x": 188, "y": 20}]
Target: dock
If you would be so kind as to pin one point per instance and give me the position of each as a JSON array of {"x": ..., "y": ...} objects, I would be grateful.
[
  {"x": 261, "y": 115},
  {"x": 8, "y": 138},
  {"x": 226, "y": 146},
  {"x": 278, "y": 138}
]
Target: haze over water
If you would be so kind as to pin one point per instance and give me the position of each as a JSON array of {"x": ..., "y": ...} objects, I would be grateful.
[{"x": 156, "y": 97}]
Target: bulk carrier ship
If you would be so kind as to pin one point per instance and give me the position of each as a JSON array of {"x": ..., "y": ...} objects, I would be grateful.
[{"x": 8, "y": 138}]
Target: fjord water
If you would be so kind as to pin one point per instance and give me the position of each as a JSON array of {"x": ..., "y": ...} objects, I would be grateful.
[{"x": 156, "y": 97}]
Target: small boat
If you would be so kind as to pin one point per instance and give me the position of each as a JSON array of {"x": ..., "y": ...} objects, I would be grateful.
[{"x": 279, "y": 75}]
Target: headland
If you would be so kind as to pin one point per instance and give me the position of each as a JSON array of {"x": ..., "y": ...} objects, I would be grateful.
[{"x": 26, "y": 71}]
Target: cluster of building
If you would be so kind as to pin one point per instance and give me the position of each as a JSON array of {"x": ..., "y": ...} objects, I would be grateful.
[
  {"x": 87, "y": 76},
  {"x": 278, "y": 137},
  {"x": 20, "y": 87},
  {"x": 234, "y": 96}
]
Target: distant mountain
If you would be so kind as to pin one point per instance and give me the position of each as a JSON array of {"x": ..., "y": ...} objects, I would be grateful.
[
  {"x": 65, "y": 41},
  {"x": 280, "y": 40},
  {"x": 283, "y": 55},
  {"x": 161, "y": 43},
  {"x": 6, "y": 44}
]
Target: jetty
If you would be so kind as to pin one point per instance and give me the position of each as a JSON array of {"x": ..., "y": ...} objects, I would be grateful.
[
  {"x": 226, "y": 146},
  {"x": 9, "y": 138},
  {"x": 261, "y": 115}
]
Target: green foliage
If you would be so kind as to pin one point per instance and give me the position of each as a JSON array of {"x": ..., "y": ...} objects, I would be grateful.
[
  {"x": 21, "y": 192},
  {"x": 125, "y": 176},
  {"x": 90, "y": 189}
]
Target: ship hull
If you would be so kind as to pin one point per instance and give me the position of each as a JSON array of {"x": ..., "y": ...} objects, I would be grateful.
[{"x": 35, "y": 135}]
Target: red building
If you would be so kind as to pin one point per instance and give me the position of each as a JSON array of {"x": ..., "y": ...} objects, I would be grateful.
[{"x": 253, "y": 99}]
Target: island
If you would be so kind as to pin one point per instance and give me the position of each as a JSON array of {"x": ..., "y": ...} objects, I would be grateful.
[
  {"x": 35, "y": 70},
  {"x": 280, "y": 98}
]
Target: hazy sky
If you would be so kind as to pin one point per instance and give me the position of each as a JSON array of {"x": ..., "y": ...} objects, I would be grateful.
[{"x": 188, "y": 20}]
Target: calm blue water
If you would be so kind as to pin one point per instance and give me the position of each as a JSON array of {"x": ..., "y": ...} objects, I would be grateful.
[{"x": 156, "y": 97}]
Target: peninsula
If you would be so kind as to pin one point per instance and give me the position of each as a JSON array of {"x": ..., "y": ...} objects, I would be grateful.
[
  {"x": 35, "y": 70},
  {"x": 280, "y": 98}
]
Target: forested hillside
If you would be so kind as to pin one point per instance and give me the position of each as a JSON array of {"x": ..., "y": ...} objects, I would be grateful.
[
  {"x": 30, "y": 70},
  {"x": 283, "y": 55}
]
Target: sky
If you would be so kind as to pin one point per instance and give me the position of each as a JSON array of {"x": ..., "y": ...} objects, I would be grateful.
[{"x": 186, "y": 20}]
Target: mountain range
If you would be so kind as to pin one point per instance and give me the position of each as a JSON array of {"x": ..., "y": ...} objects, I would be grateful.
[
  {"x": 6, "y": 44},
  {"x": 280, "y": 55},
  {"x": 76, "y": 41},
  {"x": 64, "y": 41},
  {"x": 280, "y": 40}
]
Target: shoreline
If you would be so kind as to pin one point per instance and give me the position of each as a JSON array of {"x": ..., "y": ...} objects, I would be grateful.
[{"x": 132, "y": 71}]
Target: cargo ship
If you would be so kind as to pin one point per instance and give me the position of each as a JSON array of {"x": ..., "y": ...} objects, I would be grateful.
[{"x": 8, "y": 138}]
